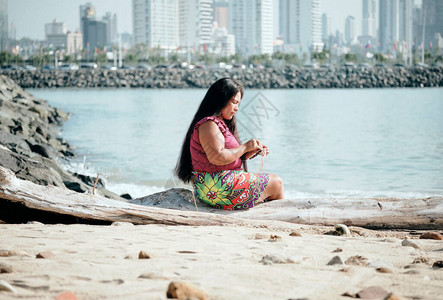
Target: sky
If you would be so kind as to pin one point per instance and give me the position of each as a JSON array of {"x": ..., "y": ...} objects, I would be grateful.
[{"x": 30, "y": 16}]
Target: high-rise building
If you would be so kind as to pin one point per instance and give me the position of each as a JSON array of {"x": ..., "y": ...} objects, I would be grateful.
[
  {"x": 433, "y": 17},
  {"x": 368, "y": 22},
  {"x": 55, "y": 28},
  {"x": 196, "y": 18},
  {"x": 74, "y": 42},
  {"x": 224, "y": 43},
  {"x": 350, "y": 29},
  {"x": 301, "y": 25},
  {"x": 111, "y": 28},
  {"x": 3, "y": 24},
  {"x": 388, "y": 24},
  {"x": 156, "y": 24},
  {"x": 221, "y": 13},
  {"x": 94, "y": 31},
  {"x": 251, "y": 22},
  {"x": 405, "y": 25},
  {"x": 326, "y": 27}
]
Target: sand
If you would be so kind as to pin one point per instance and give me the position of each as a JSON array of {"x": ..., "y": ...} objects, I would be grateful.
[{"x": 226, "y": 262}]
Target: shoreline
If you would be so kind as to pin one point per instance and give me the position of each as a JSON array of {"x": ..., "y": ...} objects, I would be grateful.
[{"x": 269, "y": 78}]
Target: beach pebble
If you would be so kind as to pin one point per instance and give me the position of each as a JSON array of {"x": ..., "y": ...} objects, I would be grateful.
[
  {"x": 336, "y": 260},
  {"x": 5, "y": 268},
  {"x": 144, "y": 255},
  {"x": 274, "y": 238},
  {"x": 431, "y": 236},
  {"x": 413, "y": 272},
  {"x": 342, "y": 229},
  {"x": 4, "y": 286},
  {"x": 372, "y": 292},
  {"x": 438, "y": 264},
  {"x": 184, "y": 291},
  {"x": 295, "y": 233},
  {"x": 35, "y": 223},
  {"x": 7, "y": 253},
  {"x": 337, "y": 250},
  {"x": 122, "y": 224},
  {"x": 129, "y": 257},
  {"x": 45, "y": 254},
  {"x": 420, "y": 260},
  {"x": 391, "y": 296},
  {"x": 272, "y": 259},
  {"x": 384, "y": 270},
  {"x": 408, "y": 243},
  {"x": 66, "y": 296},
  {"x": 357, "y": 260}
]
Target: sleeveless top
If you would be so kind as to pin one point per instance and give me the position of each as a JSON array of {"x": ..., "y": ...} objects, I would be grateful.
[{"x": 200, "y": 162}]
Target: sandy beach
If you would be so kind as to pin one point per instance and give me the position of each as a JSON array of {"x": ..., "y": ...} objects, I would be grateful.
[{"x": 226, "y": 262}]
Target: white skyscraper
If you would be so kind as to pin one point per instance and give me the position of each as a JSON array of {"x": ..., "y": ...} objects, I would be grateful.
[
  {"x": 251, "y": 21},
  {"x": 156, "y": 24},
  {"x": 301, "y": 25},
  {"x": 368, "y": 23},
  {"x": 196, "y": 18},
  {"x": 350, "y": 29},
  {"x": 55, "y": 27},
  {"x": 405, "y": 20}
]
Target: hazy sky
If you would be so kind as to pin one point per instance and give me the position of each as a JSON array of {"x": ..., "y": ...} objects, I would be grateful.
[{"x": 30, "y": 16}]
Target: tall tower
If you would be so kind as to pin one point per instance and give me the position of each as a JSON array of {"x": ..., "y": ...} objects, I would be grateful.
[
  {"x": 433, "y": 12},
  {"x": 388, "y": 23},
  {"x": 156, "y": 24},
  {"x": 349, "y": 29},
  {"x": 326, "y": 27},
  {"x": 368, "y": 22},
  {"x": 301, "y": 24},
  {"x": 221, "y": 13},
  {"x": 3, "y": 24},
  {"x": 196, "y": 18},
  {"x": 251, "y": 21}
]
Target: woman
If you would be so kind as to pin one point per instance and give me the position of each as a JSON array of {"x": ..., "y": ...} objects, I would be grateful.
[{"x": 214, "y": 159}]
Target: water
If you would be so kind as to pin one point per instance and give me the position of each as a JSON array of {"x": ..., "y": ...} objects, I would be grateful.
[{"x": 324, "y": 143}]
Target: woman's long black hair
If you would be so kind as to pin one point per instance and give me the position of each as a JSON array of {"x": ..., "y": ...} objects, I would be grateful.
[{"x": 216, "y": 98}]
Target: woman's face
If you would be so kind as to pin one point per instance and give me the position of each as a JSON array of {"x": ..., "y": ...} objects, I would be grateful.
[{"x": 228, "y": 112}]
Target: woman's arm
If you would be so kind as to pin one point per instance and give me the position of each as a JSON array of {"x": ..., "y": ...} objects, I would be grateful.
[{"x": 213, "y": 142}]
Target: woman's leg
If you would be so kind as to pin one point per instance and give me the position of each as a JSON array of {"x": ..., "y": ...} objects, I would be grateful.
[{"x": 274, "y": 189}]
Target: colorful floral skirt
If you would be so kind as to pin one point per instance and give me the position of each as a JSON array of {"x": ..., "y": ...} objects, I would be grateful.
[{"x": 229, "y": 189}]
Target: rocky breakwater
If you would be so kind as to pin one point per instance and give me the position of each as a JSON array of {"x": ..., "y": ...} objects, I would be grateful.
[
  {"x": 283, "y": 78},
  {"x": 30, "y": 144}
]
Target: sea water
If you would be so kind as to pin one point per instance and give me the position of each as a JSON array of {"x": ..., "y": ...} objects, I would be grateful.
[{"x": 323, "y": 143}]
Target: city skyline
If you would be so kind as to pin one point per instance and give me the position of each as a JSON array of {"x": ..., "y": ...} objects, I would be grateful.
[{"x": 45, "y": 11}]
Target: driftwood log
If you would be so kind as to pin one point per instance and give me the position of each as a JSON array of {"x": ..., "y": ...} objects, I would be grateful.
[{"x": 370, "y": 213}]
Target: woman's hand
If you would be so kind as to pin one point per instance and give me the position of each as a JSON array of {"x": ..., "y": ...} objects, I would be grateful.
[{"x": 257, "y": 149}]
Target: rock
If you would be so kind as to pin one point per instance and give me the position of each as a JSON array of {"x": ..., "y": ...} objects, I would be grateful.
[
  {"x": 5, "y": 286},
  {"x": 438, "y": 264},
  {"x": 129, "y": 257},
  {"x": 408, "y": 243},
  {"x": 129, "y": 224},
  {"x": 414, "y": 272},
  {"x": 357, "y": 260},
  {"x": 272, "y": 259},
  {"x": 2, "y": 222},
  {"x": 384, "y": 270},
  {"x": 126, "y": 196},
  {"x": 34, "y": 223},
  {"x": 7, "y": 253},
  {"x": 274, "y": 238},
  {"x": 4, "y": 268},
  {"x": 336, "y": 260},
  {"x": 431, "y": 236},
  {"x": 337, "y": 250},
  {"x": 342, "y": 229},
  {"x": 144, "y": 255},
  {"x": 66, "y": 296},
  {"x": 295, "y": 233},
  {"x": 391, "y": 296},
  {"x": 185, "y": 291},
  {"x": 420, "y": 260},
  {"x": 74, "y": 186},
  {"x": 373, "y": 292},
  {"x": 45, "y": 255},
  {"x": 260, "y": 236}
]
